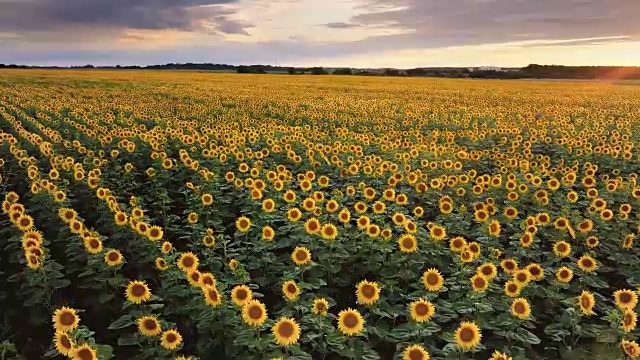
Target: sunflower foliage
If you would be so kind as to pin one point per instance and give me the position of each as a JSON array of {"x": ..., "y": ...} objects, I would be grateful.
[{"x": 162, "y": 215}]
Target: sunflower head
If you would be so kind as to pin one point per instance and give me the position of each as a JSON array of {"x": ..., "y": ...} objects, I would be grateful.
[
  {"x": 138, "y": 292},
  {"x": 240, "y": 294},
  {"x": 290, "y": 290},
  {"x": 171, "y": 339},
  {"x": 65, "y": 319},
  {"x": 286, "y": 331},
  {"x": 432, "y": 280},
  {"x": 149, "y": 326},
  {"x": 254, "y": 313},
  {"x": 415, "y": 352},
  {"x": 367, "y": 292},
  {"x": 320, "y": 306},
  {"x": 421, "y": 310},
  {"x": 350, "y": 322},
  {"x": 64, "y": 342},
  {"x": 468, "y": 336}
]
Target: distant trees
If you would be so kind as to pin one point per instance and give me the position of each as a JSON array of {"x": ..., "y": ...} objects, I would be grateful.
[
  {"x": 252, "y": 69},
  {"x": 531, "y": 71},
  {"x": 318, "y": 71},
  {"x": 343, "y": 71}
]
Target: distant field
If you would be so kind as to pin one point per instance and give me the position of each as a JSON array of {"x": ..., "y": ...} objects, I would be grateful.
[{"x": 204, "y": 215}]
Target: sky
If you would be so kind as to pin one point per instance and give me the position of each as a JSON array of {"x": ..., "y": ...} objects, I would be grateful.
[{"x": 352, "y": 33}]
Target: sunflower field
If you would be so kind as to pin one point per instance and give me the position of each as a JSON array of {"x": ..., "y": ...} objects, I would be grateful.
[{"x": 184, "y": 215}]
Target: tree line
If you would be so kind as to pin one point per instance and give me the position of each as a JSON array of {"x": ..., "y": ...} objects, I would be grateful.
[{"x": 531, "y": 71}]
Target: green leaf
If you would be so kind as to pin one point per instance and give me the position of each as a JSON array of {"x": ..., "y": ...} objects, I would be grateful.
[
  {"x": 128, "y": 340},
  {"x": 123, "y": 322}
]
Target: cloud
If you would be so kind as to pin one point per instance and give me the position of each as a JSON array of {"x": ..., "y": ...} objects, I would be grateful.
[
  {"x": 472, "y": 22},
  {"x": 109, "y": 15},
  {"x": 340, "y": 25}
]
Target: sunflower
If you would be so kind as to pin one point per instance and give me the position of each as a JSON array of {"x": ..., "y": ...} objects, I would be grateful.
[
  {"x": 207, "y": 279},
  {"x": 65, "y": 319},
  {"x": 268, "y": 205},
  {"x": 254, "y": 313},
  {"x": 474, "y": 248},
  {"x": 512, "y": 288},
  {"x": 188, "y": 261},
  {"x": 509, "y": 266},
  {"x": 415, "y": 352},
  {"x": 233, "y": 264},
  {"x": 312, "y": 226},
  {"x": 243, "y": 224},
  {"x": 166, "y": 247},
  {"x": 211, "y": 295},
  {"x": 67, "y": 215},
  {"x": 171, "y": 339},
  {"x": 301, "y": 256},
  {"x": 350, "y": 322},
  {"x": 564, "y": 274},
  {"x": 329, "y": 231},
  {"x": 367, "y": 292},
  {"x": 494, "y": 228},
  {"x": 421, "y": 310},
  {"x": 520, "y": 308},
  {"x": 629, "y": 320},
  {"x": 83, "y": 352},
  {"x": 627, "y": 242},
  {"x": 290, "y": 290},
  {"x": 31, "y": 238},
  {"x": 488, "y": 271},
  {"x": 363, "y": 222},
  {"x": 137, "y": 213},
  {"x": 294, "y": 214},
  {"x": 522, "y": 277},
  {"x": 138, "y": 292},
  {"x": 625, "y": 299},
  {"x": 586, "y": 302},
  {"x": 592, "y": 241},
  {"x": 360, "y": 207},
  {"x": 24, "y": 222},
  {"x": 630, "y": 348},
  {"x": 320, "y": 306},
  {"x": 289, "y": 196},
  {"x": 510, "y": 212},
  {"x": 535, "y": 271},
  {"x": 331, "y": 206},
  {"x": 141, "y": 228},
  {"x": 207, "y": 199},
  {"x": 344, "y": 216},
  {"x": 481, "y": 215},
  {"x": 468, "y": 336},
  {"x": 437, "y": 233},
  {"x": 149, "y": 326},
  {"x": 445, "y": 207},
  {"x": 587, "y": 264},
  {"x": 240, "y": 294},
  {"x": 93, "y": 245},
  {"x": 120, "y": 218},
  {"x": 113, "y": 258},
  {"x": 154, "y": 233},
  {"x": 562, "y": 249},
  {"x": 457, "y": 244},
  {"x": 268, "y": 233},
  {"x": 407, "y": 243},
  {"x": 64, "y": 343},
  {"x": 286, "y": 331},
  {"x": 161, "y": 264},
  {"x": 479, "y": 283},
  {"x": 432, "y": 280}
]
